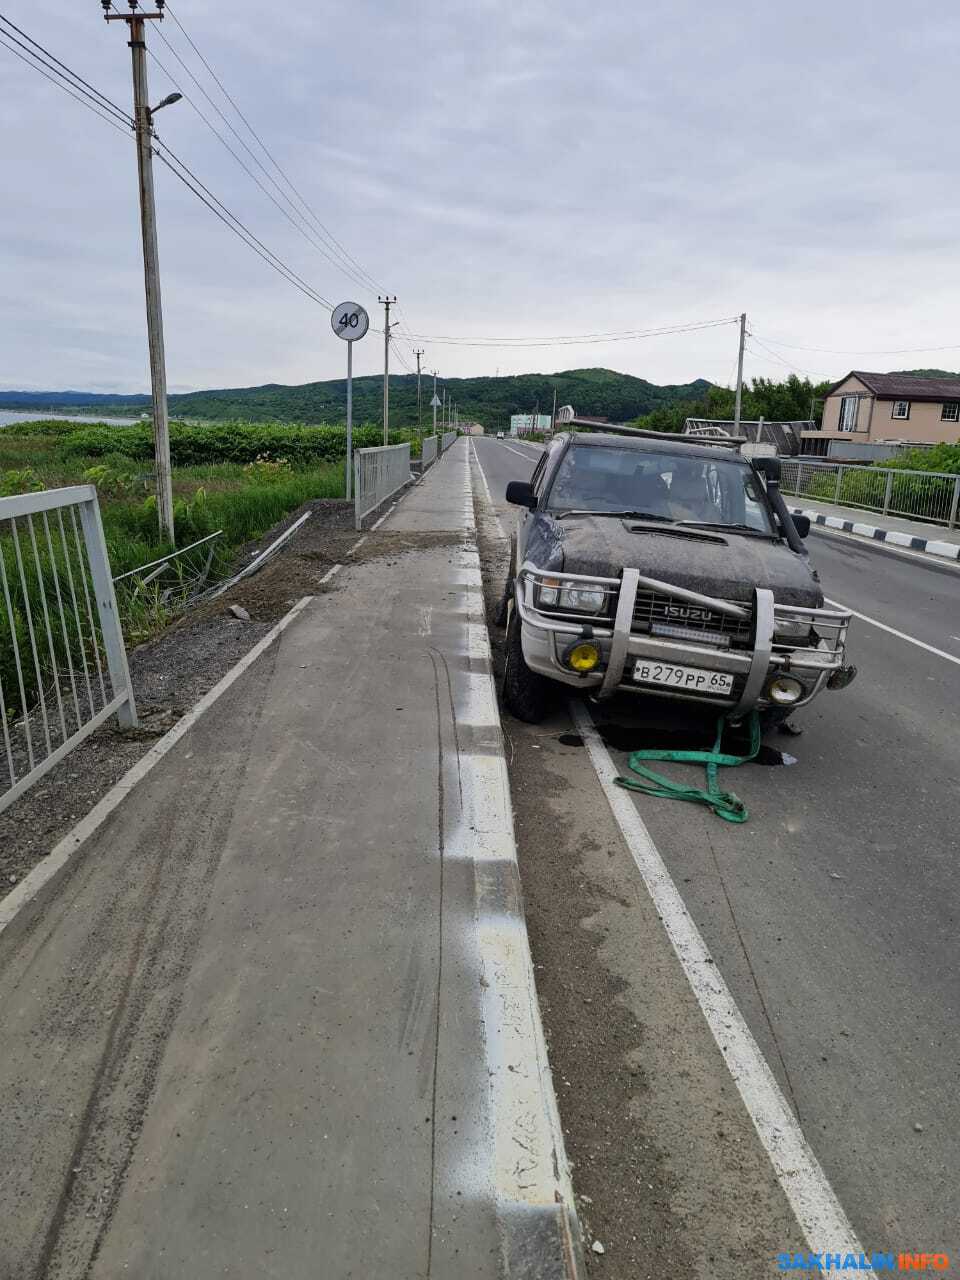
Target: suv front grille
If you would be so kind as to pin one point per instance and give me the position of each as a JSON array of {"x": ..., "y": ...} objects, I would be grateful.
[{"x": 655, "y": 607}]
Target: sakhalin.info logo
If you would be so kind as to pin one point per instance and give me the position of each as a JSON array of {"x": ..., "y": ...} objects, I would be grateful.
[{"x": 862, "y": 1262}]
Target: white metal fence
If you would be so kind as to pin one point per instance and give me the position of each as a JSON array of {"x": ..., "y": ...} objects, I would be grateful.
[
  {"x": 447, "y": 440},
  {"x": 63, "y": 667},
  {"x": 920, "y": 495},
  {"x": 428, "y": 451},
  {"x": 378, "y": 474}
]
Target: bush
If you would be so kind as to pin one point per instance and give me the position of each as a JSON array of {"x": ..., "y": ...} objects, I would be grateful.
[{"x": 232, "y": 442}]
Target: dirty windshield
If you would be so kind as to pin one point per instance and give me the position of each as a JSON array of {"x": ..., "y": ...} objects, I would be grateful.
[{"x": 718, "y": 492}]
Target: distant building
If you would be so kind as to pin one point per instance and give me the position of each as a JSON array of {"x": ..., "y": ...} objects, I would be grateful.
[
  {"x": 522, "y": 424},
  {"x": 879, "y": 408}
]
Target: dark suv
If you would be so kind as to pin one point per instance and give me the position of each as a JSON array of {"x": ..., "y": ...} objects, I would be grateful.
[{"x": 651, "y": 563}]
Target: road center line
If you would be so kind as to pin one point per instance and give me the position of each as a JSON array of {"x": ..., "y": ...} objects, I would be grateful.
[
  {"x": 804, "y": 1183},
  {"x": 901, "y": 635}
]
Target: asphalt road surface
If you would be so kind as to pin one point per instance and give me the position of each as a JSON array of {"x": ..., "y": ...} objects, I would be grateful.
[{"x": 833, "y": 913}]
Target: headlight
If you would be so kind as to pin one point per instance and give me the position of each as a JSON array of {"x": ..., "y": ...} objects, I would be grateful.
[
  {"x": 553, "y": 593},
  {"x": 786, "y": 630}
]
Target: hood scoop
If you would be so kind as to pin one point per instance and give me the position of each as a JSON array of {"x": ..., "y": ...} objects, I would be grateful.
[{"x": 674, "y": 531}]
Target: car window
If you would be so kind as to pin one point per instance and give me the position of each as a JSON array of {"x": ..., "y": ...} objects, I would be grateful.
[{"x": 673, "y": 487}]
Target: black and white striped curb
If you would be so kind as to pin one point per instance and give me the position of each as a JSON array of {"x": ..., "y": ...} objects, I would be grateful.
[{"x": 932, "y": 546}]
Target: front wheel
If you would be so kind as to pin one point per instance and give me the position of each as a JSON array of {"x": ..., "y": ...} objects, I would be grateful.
[{"x": 527, "y": 694}]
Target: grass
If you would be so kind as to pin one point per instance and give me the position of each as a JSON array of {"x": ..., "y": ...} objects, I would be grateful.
[{"x": 244, "y": 499}]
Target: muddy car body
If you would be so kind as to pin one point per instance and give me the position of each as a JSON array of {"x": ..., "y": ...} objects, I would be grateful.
[{"x": 647, "y": 563}]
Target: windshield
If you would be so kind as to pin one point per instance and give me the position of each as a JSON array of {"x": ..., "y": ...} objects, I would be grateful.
[{"x": 720, "y": 491}]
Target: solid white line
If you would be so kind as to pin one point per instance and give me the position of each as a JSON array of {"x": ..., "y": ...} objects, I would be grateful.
[
  {"x": 816, "y": 1207},
  {"x": 330, "y": 573},
  {"x": 886, "y": 545},
  {"x": 486, "y": 489},
  {"x": 525, "y": 456},
  {"x": 358, "y": 544},
  {"x": 901, "y": 635},
  {"x": 60, "y": 855}
]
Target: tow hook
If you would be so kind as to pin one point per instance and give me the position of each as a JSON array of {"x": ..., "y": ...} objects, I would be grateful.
[{"x": 842, "y": 677}]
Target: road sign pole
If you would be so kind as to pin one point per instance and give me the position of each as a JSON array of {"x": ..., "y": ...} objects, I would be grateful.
[
  {"x": 350, "y": 322},
  {"x": 349, "y": 420}
]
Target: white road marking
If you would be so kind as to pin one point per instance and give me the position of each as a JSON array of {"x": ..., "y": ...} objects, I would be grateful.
[
  {"x": 486, "y": 489},
  {"x": 525, "y": 456},
  {"x": 814, "y": 1203},
  {"x": 330, "y": 573},
  {"x": 884, "y": 546},
  {"x": 60, "y": 855},
  {"x": 901, "y": 635}
]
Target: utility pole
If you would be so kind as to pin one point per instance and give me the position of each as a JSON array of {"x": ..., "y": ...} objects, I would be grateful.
[
  {"x": 388, "y": 302},
  {"x": 736, "y": 407},
  {"x": 434, "y": 404},
  {"x": 443, "y": 410},
  {"x": 143, "y": 118},
  {"x": 553, "y": 415},
  {"x": 418, "y": 354}
]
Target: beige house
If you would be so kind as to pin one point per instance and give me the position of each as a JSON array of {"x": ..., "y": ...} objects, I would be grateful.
[{"x": 875, "y": 407}]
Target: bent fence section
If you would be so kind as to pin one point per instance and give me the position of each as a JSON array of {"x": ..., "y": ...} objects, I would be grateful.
[
  {"x": 63, "y": 667},
  {"x": 447, "y": 441},
  {"x": 923, "y": 495},
  {"x": 428, "y": 451},
  {"x": 378, "y": 474}
]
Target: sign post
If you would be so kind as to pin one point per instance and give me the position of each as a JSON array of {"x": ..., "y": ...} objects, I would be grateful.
[{"x": 350, "y": 322}]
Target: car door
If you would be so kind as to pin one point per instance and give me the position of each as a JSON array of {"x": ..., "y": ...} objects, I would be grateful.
[{"x": 526, "y": 516}]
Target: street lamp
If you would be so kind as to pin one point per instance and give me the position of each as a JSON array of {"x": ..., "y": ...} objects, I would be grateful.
[{"x": 168, "y": 101}]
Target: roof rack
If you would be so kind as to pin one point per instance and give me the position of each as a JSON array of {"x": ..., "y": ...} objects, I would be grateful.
[{"x": 620, "y": 429}]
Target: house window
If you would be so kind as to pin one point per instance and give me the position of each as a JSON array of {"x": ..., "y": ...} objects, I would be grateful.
[
  {"x": 848, "y": 413},
  {"x": 901, "y": 409},
  {"x": 950, "y": 411}
]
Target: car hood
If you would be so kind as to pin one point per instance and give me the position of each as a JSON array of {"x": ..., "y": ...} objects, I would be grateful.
[{"x": 727, "y": 566}]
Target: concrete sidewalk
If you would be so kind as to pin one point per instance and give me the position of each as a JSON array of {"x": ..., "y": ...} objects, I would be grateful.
[
  {"x": 279, "y": 1021},
  {"x": 933, "y": 539}
]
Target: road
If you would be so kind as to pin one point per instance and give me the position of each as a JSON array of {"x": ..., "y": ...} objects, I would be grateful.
[{"x": 833, "y": 913}]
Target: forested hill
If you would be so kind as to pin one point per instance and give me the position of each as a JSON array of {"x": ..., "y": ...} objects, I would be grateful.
[{"x": 599, "y": 392}]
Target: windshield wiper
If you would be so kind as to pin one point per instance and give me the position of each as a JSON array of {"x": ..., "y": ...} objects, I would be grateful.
[
  {"x": 630, "y": 515},
  {"x": 736, "y": 528}
]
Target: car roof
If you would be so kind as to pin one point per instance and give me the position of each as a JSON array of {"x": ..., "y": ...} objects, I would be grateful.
[{"x": 650, "y": 444}]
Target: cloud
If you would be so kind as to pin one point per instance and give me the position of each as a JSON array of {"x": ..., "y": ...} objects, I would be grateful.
[{"x": 513, "y": 168}]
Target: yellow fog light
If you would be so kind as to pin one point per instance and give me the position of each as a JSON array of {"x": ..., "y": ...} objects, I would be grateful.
[
  {"x": 582, "y": 657},
  {"x": 784, "y": 690}
]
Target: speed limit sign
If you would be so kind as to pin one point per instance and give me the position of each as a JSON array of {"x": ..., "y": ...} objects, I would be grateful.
[{"x": 349, "y": 321}]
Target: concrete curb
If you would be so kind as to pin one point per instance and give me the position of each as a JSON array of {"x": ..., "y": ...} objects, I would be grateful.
[
  {"x": 931, "y": 546},
  {"x": 535, "y": 1203}
]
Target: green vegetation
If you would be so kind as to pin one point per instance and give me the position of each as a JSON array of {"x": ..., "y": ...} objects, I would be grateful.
[
  {"x": 491, "y": 401},
  {"x": 232, "y": 487},
  {"x": 787, "y": 401}
]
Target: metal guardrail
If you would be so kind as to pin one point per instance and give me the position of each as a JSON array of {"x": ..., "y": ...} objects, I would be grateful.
[
  {"x": 428, "y": 451},
  {"x": 378, "y": 474},
  {"x": 63, "y": 667},
  {"x": 447, "y": 441},
  {"x": 919, "y": 495}
]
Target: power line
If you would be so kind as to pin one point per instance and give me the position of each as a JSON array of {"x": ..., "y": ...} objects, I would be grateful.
[
  {"x": 217, "y": 206},
  {"x": 291, "y": 213},
  {"x": 888, "y": 351},
  {"x": 310, "y": 212},
  {"x": 557, "y": 340},
  {"x": 84, "y": 101},
  {"x": 82, "y": 85},
  {"x": 266, "y": 151},
  {"x": 772, "y": 355}
]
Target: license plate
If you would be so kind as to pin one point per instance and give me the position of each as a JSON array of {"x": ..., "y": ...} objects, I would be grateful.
[{"x": 690, "y": 679}]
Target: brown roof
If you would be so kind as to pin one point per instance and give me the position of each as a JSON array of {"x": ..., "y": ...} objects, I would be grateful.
[{"x": 905, "y": 386}]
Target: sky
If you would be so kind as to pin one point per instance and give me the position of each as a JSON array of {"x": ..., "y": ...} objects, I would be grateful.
[{"x": 506, "y": 168}]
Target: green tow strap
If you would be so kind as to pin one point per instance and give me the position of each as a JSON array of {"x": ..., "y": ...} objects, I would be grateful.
[{"x": 725, "y": 804}]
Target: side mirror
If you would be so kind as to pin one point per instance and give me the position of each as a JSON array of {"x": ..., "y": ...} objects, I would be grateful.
[
  {"x": 520, "y": 493},
  {"x": 769, "y": 467},
  {"x": 802, "y": 525}
]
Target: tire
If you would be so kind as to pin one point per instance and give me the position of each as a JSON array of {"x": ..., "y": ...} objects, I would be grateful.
[{"x": 527, "y": 695}]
